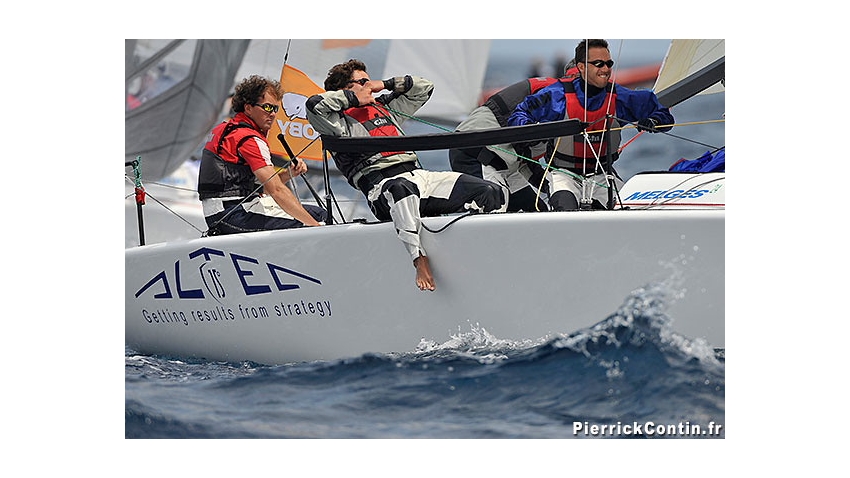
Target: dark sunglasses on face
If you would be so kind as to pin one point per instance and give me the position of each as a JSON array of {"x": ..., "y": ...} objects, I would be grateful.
[
  {"x": 361, "y": 81},
  {"x": 267, "y": 107},
  {"x": 601, "y": 63}
]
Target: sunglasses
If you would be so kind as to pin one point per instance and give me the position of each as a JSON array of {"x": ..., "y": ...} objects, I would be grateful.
[
  {"x": 267, "y": 107},
  {"x": 361, "y": 81},
  {"x": 601, "y": 63}
]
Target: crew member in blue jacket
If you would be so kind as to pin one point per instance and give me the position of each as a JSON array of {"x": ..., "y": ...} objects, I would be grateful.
[{"x": 577, "y": 162}]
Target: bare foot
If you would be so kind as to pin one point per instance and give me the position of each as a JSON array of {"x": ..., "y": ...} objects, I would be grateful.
[{"x": 424, "y": 278}]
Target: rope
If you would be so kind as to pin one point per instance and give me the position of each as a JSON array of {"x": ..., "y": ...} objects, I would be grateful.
[
  {"x": 592, "y": 184},
  {"x": 148, "y": 194},
  {"x": 467, "y": 214},
  {"x": 633, "y": 126}
]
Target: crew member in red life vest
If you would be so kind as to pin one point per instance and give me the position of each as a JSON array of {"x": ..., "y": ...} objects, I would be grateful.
[
  {"x": 239, "y": 187},
  {"x": 397, "y": 188},
  {"x": 508, "y": 165},
  {"x": 579, "y": 159}
]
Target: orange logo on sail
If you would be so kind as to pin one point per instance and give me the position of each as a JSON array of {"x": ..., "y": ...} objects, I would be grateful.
[{"x": 292, "y": 121}]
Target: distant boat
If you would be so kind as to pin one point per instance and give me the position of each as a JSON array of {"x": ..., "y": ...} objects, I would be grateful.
[{"x": 345, "y": 290}]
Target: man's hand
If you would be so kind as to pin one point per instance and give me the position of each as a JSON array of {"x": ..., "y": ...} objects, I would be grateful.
[
  {"x": 364, "y": 93},
  {"x": 298, "y": 168},
  {"x": 375, "y": 86},
  {"x": 647, "y": 124}
]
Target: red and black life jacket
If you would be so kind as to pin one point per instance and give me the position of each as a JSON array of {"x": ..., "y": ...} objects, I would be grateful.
[
  {"x": 579, "y": 148},
  {"x": 376, "y": 119},
  {"x": 230, "y": 177}
]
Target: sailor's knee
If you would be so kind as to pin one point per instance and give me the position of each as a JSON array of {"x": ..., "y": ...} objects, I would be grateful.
[
  {"x": 400, "y": 188},
  {"x": 563, "y": 201},
  {"x": 493, "y": 197}
]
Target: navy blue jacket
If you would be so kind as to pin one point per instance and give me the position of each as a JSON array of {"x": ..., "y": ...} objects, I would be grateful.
[{"x": 549, "y": 104}]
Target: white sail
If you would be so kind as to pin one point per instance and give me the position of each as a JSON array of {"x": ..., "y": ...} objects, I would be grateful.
[
  {"x": 456, "y": 67},
  {"x": 686, "y": 57}
]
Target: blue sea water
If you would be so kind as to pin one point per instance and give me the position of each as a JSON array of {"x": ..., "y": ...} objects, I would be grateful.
[{"x": 629, "y": 376}]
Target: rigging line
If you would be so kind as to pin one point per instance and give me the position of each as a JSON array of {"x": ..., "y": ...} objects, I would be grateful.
[
  {"x": 165, "y": 185},
  {"x": 327, "y": 188},
  {"x": 532, "y": 160},
  {"x": 597, "y": 154},
  {"x": 673, "y": 135},
  {"x": 278, "y": 170},
  {"x": 415, "y": 118},
  {"x": 607, "y": 100},
  {"x": 173, "y": 212},
  {"x": 303, "y": 176},
  {"x": 331, "y": 193},
  {"x": 319, "y": 203},
  {"x": 294, "y": 161},
  {"x": 620, "y": 150},
  {"x": 545, "y": 172},
  {"x": 519, "y": 156},
  {"x": 286, "y": 54},
  {"x": 549, "y": 166},
  {"x": 148, "y": 194},
  {"x": 617, "y": 62},
  {"x": 583, "y": 179},
  {"x": 586, "y": 182},
  {"x": 608, "y": 114},
  {"x": 511, "y": 153},
  {"x": 586, "y": 41},
  {"x": 690, "y": 123},
  {"x": 308, "y": 145},
  {"x": 584, "y": 109}
]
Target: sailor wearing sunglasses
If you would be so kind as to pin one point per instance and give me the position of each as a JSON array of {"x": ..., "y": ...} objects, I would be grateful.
[
  {"x": 397, "y": 188},
  {"x": 239, "y": 187},
  {"x": 577, "y": 162}
]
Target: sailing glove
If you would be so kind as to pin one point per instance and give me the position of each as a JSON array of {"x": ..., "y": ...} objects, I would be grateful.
[{"x": 647, "y": 124}]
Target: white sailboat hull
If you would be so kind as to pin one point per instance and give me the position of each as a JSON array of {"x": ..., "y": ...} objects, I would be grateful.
[{"x": 348, "y": 289}]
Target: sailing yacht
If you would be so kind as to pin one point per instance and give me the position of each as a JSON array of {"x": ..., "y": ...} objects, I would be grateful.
[{"x": 347, "y": 289}]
